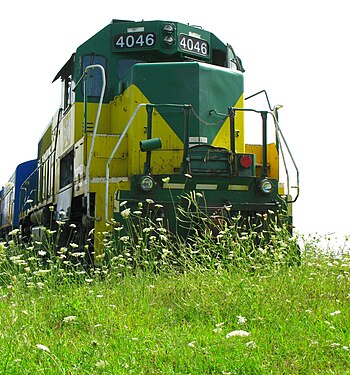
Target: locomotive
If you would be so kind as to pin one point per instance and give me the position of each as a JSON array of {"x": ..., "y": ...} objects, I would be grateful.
[{"x": 150, "y": 111}]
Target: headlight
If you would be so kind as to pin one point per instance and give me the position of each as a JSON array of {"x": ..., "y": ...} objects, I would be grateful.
[
  {"x": 169, "y": 40},
  {"x": 146, "y": 183},
  {"x": 169, "y": 28},
  {"x": 266, "y": 186}
]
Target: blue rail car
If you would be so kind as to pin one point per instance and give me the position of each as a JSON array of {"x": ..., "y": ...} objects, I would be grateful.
[{"x": 13, "y": 196}]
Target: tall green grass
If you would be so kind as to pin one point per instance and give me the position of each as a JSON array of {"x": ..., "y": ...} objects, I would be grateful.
[{"x": 216, "y": 303}]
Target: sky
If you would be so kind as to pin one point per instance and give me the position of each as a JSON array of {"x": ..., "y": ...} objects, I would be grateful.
[{"x": 295, "y": 50}]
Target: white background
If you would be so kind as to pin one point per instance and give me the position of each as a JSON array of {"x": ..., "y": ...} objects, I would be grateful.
[{"x": 296, "y": 50}]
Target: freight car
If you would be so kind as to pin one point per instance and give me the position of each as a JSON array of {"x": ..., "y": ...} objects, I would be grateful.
[
  {"x": 14, "y": 197},
  {"x": 151, "y": 111}
]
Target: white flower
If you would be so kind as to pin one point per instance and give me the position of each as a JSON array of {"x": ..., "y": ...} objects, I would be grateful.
[
  {"x": 70, "y": 318},
  {"x": 125, "y": 213},
  {"x": 14, "y": 232},
  {"x": 42, "y": 253},
  {"x": 337, "y": 312},
  {"x": 149, "y": 201},
  {"x": 237, "y": 333},
  {"x": 43, "y": 347},
  {"x": 188, "y": 175},
  {"x": 241, "y": 319},
  {"x": 191, "y": 344},
  {"x": 101, "y": 363},
  {"x": 251, "y": 344},
  {"x": 74, "y": 245},
  {"x": 123, "y": 203},
  {"x": 78, "y": 255}
]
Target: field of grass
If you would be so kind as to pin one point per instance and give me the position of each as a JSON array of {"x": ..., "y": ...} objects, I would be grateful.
[{"x": 212, "y": 307}]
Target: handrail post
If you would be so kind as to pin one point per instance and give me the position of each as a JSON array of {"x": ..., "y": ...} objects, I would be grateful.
[
  {"x": 264, "y": 143},
  {"x": 232, "y": 115},
  {"x": 147, "y": 165},
  {"x": 187, "y": 109}
]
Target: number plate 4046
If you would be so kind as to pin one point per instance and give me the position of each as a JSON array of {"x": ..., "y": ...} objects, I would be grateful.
[
  {"x": 194, "y": 45},
  {"x": 134, "y": 40}
]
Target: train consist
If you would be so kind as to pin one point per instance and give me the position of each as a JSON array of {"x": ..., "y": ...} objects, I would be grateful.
[{"x": 150, "y": 111}]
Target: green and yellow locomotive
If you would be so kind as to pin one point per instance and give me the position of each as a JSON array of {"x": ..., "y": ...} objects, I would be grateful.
[{"x": 151, "y": 111}]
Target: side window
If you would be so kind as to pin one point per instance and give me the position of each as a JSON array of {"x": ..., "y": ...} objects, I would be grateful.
[
  {"x": 126, "y": 64},
  {"x": 68, "y": 93},
  {"x": 66, "y": 170},
  {"x": 94, "y": 77}
]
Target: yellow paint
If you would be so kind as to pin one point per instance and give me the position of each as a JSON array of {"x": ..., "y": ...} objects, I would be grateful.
[
  {"x": 272, "y": 159},
  {"x": 166, "y": 160},
  {"x": 222, "y": 138}
]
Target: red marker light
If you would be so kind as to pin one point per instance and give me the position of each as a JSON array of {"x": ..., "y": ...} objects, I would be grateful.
[{"x": 245, "y": 161}]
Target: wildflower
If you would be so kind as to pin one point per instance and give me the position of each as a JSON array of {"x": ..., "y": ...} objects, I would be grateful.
[
  {"x": 60, "y": 222},
  {"x": 149, "y": 201},
  {"x": 74, "y": 245},
  {"x": 89, "y": 280},
  {"x": 42, "y": 253},
  {"x": 123, "y": 203},
  {"x": 188, "y": 175},
  {"x": 124, "y": 238},
  {"x": 51, "y": 208},
  {"x": 125, "y": 213},
  {"x": 78, "y": 255},
  {"x": 118, "y": 229},
  {"x": 14, "y": 232},
  {"x": 70, "y": 318},
  {"x": 241, "y": 319},
  {"x": 73, "y": 225},
  {"x": 43, "y": 348},
  {"x": 101, "y": 363},
  {"x": 337, "y": 312},
  {"x": 251, "y": 344},
  {"x": 191, "y": 344},
  {"x": 217, "y": 330},
  {"x": 166, "y": 179},
  {"x": 137, "y": 212},
  {"x": 239, "y": 332}
]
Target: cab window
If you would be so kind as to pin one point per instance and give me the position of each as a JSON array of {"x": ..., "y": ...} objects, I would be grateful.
[{"x": 94, "y": 76}]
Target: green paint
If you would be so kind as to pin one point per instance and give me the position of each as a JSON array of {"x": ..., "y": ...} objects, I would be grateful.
[{"x": 205, "y": 87}]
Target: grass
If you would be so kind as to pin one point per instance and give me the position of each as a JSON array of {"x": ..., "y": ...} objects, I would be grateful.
[{"x": 211, "y": 308}]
